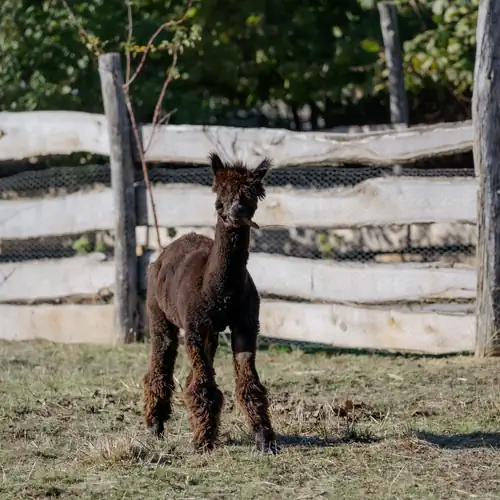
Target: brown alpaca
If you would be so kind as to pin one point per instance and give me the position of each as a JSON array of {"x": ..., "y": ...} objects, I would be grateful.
[{"x": 202, "y": 286}]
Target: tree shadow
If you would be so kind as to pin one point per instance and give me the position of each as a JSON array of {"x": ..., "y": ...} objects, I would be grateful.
[{"x": 472, "y": 440}]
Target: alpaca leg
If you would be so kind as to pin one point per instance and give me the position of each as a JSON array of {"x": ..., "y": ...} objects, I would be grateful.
[
  {"x": 158, "y": 381},
  {"x": 250, "y": 392},
  {"x": 213, "y": 344},
  {"x": 203, "y": 398}
]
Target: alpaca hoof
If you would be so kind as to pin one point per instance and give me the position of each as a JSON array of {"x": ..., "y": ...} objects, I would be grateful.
[
  {"x": 157, "y": 429},
  {"x": 266, "y": 445},
  {"x": 269, "y": 448}
]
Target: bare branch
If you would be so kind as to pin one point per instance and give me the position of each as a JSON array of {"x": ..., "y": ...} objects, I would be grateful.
[
  {"x": 84, "y": 35},
  {"x": 90, "y": 42},
  {"x": 168, "y": 24},
  {"x": 137, "y": 138},
  {"x": 166, "y": 83}
]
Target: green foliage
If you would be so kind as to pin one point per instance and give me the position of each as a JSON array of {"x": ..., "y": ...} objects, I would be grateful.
[
  {"x": 90, "y": 243},
  {"x": 444, "y": 52},
  {"x": 82, "y": 246},
  {"x": 102, "y": 247},
  {"x": 234, "y": 56}
]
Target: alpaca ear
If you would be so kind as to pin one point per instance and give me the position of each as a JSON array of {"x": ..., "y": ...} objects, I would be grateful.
[
  {"x": 261, "y": 170},
  {"x": 215, "y": 162}
]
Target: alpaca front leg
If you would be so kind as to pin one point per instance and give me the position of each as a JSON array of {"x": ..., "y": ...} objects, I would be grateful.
[
  {"x": 158, "y": 381},
  {"x": 203, "y": 398},
  {"x": 250, "y": 392}
]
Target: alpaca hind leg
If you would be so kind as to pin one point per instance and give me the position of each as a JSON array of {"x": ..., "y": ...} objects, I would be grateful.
[
  {"x": 203, "y": 398},
  {"x": 250, "y": 392},
  {"x": 158, "y": 381}
]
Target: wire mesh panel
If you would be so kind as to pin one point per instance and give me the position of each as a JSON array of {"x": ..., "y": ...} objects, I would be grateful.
[
  {"x": 45, "y": 184},
  {"x": 365, "y": 244}
]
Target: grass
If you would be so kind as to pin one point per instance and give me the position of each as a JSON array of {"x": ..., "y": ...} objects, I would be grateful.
[{"x": 352, "y": 426}]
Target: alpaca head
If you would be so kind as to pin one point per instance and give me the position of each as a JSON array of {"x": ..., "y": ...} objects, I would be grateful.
[{"x": 238, "y": 190}]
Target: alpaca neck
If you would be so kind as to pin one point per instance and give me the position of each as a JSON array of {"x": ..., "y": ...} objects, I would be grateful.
[{"x": 227, "y": 263}]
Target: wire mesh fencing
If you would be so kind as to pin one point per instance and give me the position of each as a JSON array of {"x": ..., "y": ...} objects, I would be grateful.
[{"x": 389, "y": 243}]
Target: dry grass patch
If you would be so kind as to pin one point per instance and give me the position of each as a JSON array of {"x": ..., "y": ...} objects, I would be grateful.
[{"x": 351, "y": 426}]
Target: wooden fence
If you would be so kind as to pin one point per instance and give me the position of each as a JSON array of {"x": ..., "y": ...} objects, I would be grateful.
[{"x": 423, "y": 307}]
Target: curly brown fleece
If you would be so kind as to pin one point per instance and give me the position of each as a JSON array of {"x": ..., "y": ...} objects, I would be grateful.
[{"x": 202, "y": 285}]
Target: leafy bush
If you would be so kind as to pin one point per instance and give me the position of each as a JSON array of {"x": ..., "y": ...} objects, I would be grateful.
[{"x": 239, "y": 56}]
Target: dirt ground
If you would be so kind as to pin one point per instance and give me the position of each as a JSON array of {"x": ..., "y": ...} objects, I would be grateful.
[{"x": 352, "y": 426}]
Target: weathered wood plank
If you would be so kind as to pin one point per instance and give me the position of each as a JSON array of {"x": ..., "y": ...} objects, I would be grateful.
[
  {"x": 368, "y": 328},
  {"x": 486, "y": 157},
  {"x": 359, "y": 283},
  {"x": 71, "y": 324},
  {"x": 374, "y": 202},
  {"x": 314, "y": 280},
  {"x": 190, "y": 144},
  {"x": 69, "y": 132},
  {"x": 71, "y": 214},
  {"x": 40, "y": 133},
  {"x": 329, "y": 281},
  {"x": 40, "y": 280},
  {"x": 431, "y": 332}
]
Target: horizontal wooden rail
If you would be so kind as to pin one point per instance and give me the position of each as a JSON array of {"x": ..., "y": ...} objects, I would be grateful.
[
  {"x": 323, "y": 280},
  {"x": 425, "y": 331},
  {"x": 372, "y": 202},
  {"x": 70, "y": 214},
  {"x": 402, "y": 200},
  {"x": 41, "y": 133},
  {"x": 68, "y": 323},
  {"x": 51, "y": 279},
  {"x": 328, "y": 281},
  {"x": 313, "y": 280},
  {"x": 431, "y": 331}
]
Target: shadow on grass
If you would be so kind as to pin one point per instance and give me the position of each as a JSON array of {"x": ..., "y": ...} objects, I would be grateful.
[
  {"x": 461, "y": 441},
  {"x": 280, "y": 345},
  {"x": 292, "y": 441},
  {"x": 310, "y": 348}
]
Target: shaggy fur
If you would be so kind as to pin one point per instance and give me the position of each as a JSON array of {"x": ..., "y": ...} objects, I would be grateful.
[{"x": 202, "y": 286}]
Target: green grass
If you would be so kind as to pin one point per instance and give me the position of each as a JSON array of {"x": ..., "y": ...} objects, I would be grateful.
[{"x": 352, "y": 426}]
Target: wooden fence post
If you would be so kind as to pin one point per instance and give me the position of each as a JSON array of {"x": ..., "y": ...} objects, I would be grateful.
[
  {"x": 486, "y": 125},
  {"x": 389, "y": 26},
  {"x": 394, "y": 60},
  {"x": 122, "y": 184}
]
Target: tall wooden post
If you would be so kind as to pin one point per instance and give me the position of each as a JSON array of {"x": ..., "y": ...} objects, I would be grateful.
[
  {"x": 486, "y": 124},
  {"x": 122, "y": 183},
  {"x": 394, "y": 60},
  {"x": 390, "y": 34}
]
